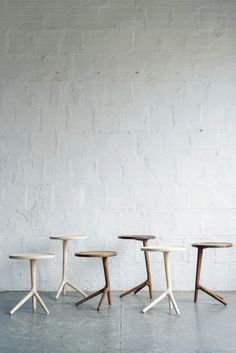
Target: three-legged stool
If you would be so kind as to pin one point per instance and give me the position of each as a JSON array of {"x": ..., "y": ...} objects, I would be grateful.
[
  {"x": 106, "y": 290},
  {"x": 168, "y": 293},
  {"x": 33, "y": 293},
  {"x": 65, "y": 281},
  {"x": 201, "y": 247},
  {"x": 148, "y": 281}
]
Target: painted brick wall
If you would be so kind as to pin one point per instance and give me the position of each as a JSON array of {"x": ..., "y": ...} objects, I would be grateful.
[{"x": 117, "y": 117}]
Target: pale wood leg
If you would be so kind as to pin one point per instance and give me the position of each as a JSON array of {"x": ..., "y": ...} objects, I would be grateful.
[
  {"x": 65, "y": 259},
  {"x": 41, "y": 302},
  {"x": 157, "y": 300},
  {"x": 168, "y": 281},
  {"x": 168, "y": 292},
  {"x": 33, "y": 281},
  {"x": 23, "y": 301},
  {"x": 76, "y": 288},
  {"x": 64, "y": 280},
  {"x": 33, "y": 293},
  {"x": 60, "y": 289},
  {"x": 174, "y": 303}
]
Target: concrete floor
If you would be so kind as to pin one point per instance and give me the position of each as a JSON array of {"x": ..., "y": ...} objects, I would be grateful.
[{"x": 206, "y": 327}]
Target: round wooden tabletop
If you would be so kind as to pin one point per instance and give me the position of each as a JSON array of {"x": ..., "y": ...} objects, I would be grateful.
[
  {"x": 96, "y": 253},
  {"x": 163, "y": 248},
  {"x": 68, "y": 237},
  {"x": 212, "y": 244},
  {"x": 137, "y": 237},
  {"x": 31, "y": 256}
]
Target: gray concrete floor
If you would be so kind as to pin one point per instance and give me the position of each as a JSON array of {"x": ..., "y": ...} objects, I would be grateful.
[{"x": 206, "y": 327}]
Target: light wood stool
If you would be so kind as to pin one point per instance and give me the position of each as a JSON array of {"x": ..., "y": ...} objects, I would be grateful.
[
  {"x": 201, "y": 247},
  {"x": 65, "y": 281},
  {"x": 148, "y": 281},
  {"x": 168, "y": 293},
  {"x": 33, "y": 293},
  {"x": 106, "y": 290}
]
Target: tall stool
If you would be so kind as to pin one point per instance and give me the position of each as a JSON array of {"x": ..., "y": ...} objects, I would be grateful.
[
  {"x": 106, "y": 290},
  {"x": 168, "y": 293},
  {"x": 148, "y": 281},
  {"x": 64, "y": 281},
  {"x": 33, "y": 293},
  {"x": 200, "y": 247}
]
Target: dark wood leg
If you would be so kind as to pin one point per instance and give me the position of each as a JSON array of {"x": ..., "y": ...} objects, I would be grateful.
[
  {"x": 104, "y": 291},
  {"x": 198, "y": 272},
  {"x": 149, "y": 278},
  {"x": 198, "y": 286},
  {"x": 213, "y": 295},
  {"x": 102, "y": 298},
  {"x": 90, "y": 297},
  {"x": 148, "y": 282},
  {"x": 107, "y": 279}
]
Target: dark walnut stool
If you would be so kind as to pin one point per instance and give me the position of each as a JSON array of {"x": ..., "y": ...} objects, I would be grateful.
[
  {"x": 201, "y": 247},
  {"x": 106, "y": 290},
  {"x": 148, "y": 282}
]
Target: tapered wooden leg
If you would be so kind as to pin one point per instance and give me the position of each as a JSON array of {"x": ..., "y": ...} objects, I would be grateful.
[
  {"x": 140, "y": 287},
  {"x": 60, "y": 289},
  {"x": 212, "y": 294},
  {"x": 64, "y": 268},
  {"x": 104, "y": 291},
  {"x": 33, "y": 281},
  {"x": 147, "y": 262},
  {"x": 23, "y": 301},
  {"x": 107, "y": 281},
  {"x": 154, "y": 302},
  {"x": 174, "y": 303},
  {"x": 167, "y": 281},
  {"x": 198, "y": 273},
  {"x": 41, "y": 302},
  {"x": 76, "y": 288},
  {"x": 147, "y": 282},
  {"x": 89, "y": 297},
  {"x": 33, "y": 293},
  {"x": 109, "y": 297},
  {"x": 101, "y": 300},
  {"x": 64, "y": 281},
  {"x": 168, "y": 293}
]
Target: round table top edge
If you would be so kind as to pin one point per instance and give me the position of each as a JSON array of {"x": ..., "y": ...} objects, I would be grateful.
[
  {"x": 163, "y": 248},
  {"x": 31, "y": 256},
  {"x": 68, "y": 237},
  {"x": 96, "y": 253},
  {"x": 213, "y": 245},
  {"x": 137, "y": 237}
]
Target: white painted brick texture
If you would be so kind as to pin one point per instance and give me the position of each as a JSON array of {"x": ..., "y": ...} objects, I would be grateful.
[{"x": 117, "y": 117}]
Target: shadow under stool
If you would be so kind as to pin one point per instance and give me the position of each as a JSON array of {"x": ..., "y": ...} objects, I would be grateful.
[
  {"x": 65, "y": 281},
  {"x": 166, "y": 250},
  {"x": 148, "y": 282},
  {"x": 33, "y": 293},
  {"x": 200, "y": 247},
  {"x": 104, "y": 255}
]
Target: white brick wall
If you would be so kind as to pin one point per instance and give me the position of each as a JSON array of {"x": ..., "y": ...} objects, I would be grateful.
[{"x": 117, "y": 117}]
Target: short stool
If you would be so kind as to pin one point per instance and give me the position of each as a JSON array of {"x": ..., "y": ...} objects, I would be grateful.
[
  {"x": 33, "y": 293},
  {"x": 106, "y": 290},
  {"x": 65, "y": 281},
  {"x": 168, "y": 293},
  {"x": 148, "y": 282},
  {"x": 200, "y": 247}
]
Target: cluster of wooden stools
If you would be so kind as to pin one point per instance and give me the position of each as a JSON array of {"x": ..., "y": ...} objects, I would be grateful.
[{"x": 104, "y": 255}]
